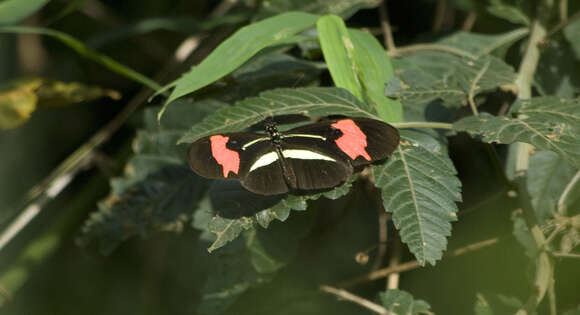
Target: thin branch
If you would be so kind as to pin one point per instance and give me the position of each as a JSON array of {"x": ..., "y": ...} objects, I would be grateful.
[
  {"x": 382, "y": 247},
  {"x": 552, "y": 298},
  {"x": 440, "y": 12},
  {"x": 563, "y": 10},
  {"x": 386, "y": 26},
  {"x": 413, "y": 264},
  {"x": 564, "y": 197},
  {"x": 469, "y": 21},
  {"x": 471, "y": 95},
  {"x": 393, "y": 278},
  {"x": 566, "y": 255},
  {"x": 423, "y": 124},
  {"x": 562, "y": 24},
  {"x": 355, "y": 299}
]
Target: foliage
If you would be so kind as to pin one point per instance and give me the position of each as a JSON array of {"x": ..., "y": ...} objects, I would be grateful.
[{"x": 477, "y": 160}]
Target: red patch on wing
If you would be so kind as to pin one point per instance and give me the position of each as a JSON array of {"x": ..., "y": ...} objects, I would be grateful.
[
  {"x": 228, "y": 159},
  {"x": 353, "y": 141}
]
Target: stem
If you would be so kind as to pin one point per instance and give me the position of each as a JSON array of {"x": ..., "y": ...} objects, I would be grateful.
[
  {"x": 386, "y": 26},
  {"x": 471, "y": 95},
  {"x": 566, "y": 193},
  {"x": 355, "y": 299}
]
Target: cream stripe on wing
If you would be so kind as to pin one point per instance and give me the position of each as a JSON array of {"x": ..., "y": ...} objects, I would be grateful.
[
  {"x": 265, "y": 160},
  {"x": 305, "y": 155}
]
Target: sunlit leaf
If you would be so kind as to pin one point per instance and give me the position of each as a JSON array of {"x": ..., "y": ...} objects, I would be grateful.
[
  {"x": 237, "y": 49},
  {"x": 508, "y": 12}
]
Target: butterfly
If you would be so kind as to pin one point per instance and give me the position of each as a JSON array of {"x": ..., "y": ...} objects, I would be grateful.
[{"x": 315, "y": 156}]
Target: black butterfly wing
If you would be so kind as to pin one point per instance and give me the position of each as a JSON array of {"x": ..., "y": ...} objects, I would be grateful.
[
  {"x": 232, "y": 155},
  {"x": 358, "y": 140}
]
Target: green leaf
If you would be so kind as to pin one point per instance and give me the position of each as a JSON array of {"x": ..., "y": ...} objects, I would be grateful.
[
  {"x": 401, "y": 302},
  {"x": 237, "y": 49},
  {"x": 431, "y": 76},
  {"x": 305, "y": 101},
  {"x": 344, "y": 8},
  {"x": 375, "y": 70},
  {"x": 548, "y": 123},
  {"x": 13, "y": 11},
  {"x": 82, "y": 50},
  {"x": 163, "y": 201},
  {"x": 420, "y": 187},
  {"x": 228, "y": 230},
  {"x": 508, "y": 12},
  {"x": 338, "y": 50},
  {"x": 483, "y": 44},
  {"x": 557, "y": 71},
  {"x": 524, "y": 236},
  {"x": 548, "y": 176}
]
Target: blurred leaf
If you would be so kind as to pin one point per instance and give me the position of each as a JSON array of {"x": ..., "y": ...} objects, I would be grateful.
[
  {"x": 419, "y": 187},
  {"x": 163, "y": 201},
  {"x": 401, "y": 302},
  {"x": 16, "y": 106},
  {"x": 236, "y": 50},
  {"x": 524, "y": 236},
  {"x": 19, "y": 98},
  {"x": 557, "y": 71},
  {"x": 482, "y": 44},
  {"x": 338, "y": 50},
  {"x": 482, "y": 307},
  {"x": 82, "y": 50},
  {"x": 548, "y": 176},
  {"x": 572, "y": 33},
  {"x": 375, "y": 70},
  {"x": 305, "y": 101},
  {"x": 13, "y": 11},
  {"x": 431, "y": 76},
  {"x": 178, "y": 24},
  {"x": 548, "y": 123},
  {"x": 344, "y": 8},
  {"x": 575, "y": 311},
  {"x": 508, "y": 12}
]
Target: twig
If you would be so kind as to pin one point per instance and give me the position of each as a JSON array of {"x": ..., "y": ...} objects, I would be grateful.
[
  {"x": 382, "y": 246},
  {"x": 552, "y": 298},
  {"x": 393, "y": 278},
  {"x": 564, "y": 197},
  {"x": 355, "y": 299},
  {"x": 566, "y": 255},
  {"x": 386, "y": 26},
  {"x": 469, "y": 21},
  {"x": 413, "y": 264},
  {"x": 471, "y": 95},
  {"x": 562, "y": 24},
  {"x": 440, "y": 11}
]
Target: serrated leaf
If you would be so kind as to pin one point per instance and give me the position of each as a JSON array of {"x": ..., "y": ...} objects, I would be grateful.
[
  {"x": 237, "y": 49},
  {"x": 482, "y": 44},
  {"x": 228, "y": 229},
  {"x": 160, "y": 202},
  {"x": 431, "y": 76},
  {"x": 401, "y": 302},
  {"x": 548, "y": 123},
  {"x": 548, "y": 176},
  {"x": 420, "y": 187},
  {"x": 307, "y": 101}
]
